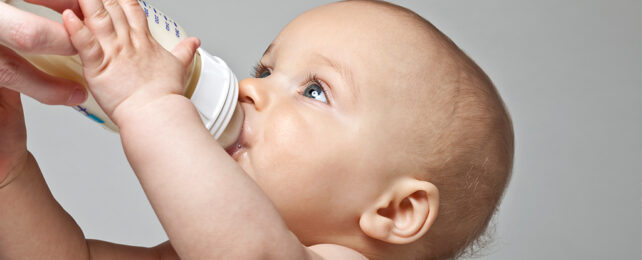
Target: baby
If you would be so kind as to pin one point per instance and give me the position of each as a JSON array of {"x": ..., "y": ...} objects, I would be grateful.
[{"x": 368, "y": 134}]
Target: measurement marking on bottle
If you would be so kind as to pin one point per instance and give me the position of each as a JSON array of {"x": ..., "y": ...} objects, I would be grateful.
[{"x": 83, "y": 110}]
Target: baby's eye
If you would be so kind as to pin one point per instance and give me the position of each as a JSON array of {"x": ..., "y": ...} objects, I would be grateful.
[
  {"x": 264, "y": 74},
  {"x": 315, "y": 91},
  {"x": 260, "y": 71}
]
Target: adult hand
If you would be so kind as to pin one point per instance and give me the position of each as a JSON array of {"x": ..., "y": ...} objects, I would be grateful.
[
  {"x": 13, "y": 136},
  {"x": 29, "y": 33}
]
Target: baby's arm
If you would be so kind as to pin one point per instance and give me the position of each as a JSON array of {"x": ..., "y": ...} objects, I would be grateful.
[
  {"x": 209, "y": 207},
  {"x": 207, "y": 204}
]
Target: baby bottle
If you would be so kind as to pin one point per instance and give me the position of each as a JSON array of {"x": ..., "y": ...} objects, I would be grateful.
[{"x": 211, "y": 85}]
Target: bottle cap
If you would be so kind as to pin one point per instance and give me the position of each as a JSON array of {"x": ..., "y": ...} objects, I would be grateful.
[{"x": 216, "y": 93}]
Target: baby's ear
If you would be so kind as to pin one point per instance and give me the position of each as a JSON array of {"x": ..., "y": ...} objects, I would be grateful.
[{"x": 403, "y": 213}]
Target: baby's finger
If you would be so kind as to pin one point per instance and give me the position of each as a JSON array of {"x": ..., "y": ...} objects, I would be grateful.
[
  {"x": 185, "y": 50},
  {"x": 118, "y": 18},
  {"x": 19, "y": 75},
  {"x": 135, "y": 15},
  {"x": 83, "y": 39},
  {"x": 98, "y": 20}
]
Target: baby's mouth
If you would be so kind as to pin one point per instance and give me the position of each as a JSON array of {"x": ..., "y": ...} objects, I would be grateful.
[
  {"x": 232, "y": 137},
  {"x": 235, "y": 149}
]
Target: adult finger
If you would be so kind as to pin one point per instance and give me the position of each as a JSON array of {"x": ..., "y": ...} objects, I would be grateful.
[
  {"x": 19, "y": 75},
  {"x": 29, "y": 33},
  {"x": 10, "y": 98},
  {"x": 58, "y": 5}
]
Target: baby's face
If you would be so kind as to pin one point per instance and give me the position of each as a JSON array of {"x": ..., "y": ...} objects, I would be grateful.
[{"x": 327, "y": 117}]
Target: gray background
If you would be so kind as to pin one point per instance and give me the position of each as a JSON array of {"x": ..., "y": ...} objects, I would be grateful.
[{"x": 569, "y": 72}]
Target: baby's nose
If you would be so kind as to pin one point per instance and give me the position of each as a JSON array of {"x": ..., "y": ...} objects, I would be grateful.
[{"x": 250, "y": 91}]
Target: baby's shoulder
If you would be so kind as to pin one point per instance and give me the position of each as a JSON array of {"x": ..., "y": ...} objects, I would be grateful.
[{"x": 332, "y": 251}]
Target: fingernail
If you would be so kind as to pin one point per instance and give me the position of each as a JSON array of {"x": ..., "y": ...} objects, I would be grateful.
[
  {"x": 77, "y": 97},
  {"x": 70, "y": 14}
]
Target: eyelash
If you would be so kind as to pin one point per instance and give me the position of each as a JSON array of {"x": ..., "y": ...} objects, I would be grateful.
[{"x": 259, "y": 68}]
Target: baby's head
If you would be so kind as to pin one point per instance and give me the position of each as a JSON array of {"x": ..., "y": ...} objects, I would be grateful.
[{"x": 369, "y": 128}]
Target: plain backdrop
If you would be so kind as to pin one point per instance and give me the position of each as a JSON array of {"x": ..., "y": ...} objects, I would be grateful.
[{"x": 569, "y": 72}]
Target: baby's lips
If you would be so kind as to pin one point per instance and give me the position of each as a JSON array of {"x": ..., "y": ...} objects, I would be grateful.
[
  {"x": 239, "y": 139},
  {"x": 236, "y": 148}
]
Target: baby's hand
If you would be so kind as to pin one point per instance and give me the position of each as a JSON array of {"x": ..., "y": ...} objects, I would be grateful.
[{"x": 125, "y": 68}]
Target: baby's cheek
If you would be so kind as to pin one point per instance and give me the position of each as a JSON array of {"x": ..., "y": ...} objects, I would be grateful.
[
  {"x": 304, "y": 165},
  {"x": 287, "y": 154},
  {"x": 287, "y": 147}
]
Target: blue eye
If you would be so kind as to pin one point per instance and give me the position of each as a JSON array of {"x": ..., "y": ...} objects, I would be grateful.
[
  {"x": 260, "y": 71},
  {"x": 264, "y": 74},
  {"x": 315, "y": 91}
]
